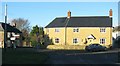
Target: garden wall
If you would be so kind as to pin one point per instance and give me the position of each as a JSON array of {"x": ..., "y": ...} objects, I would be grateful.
[{"x": 67, "y": 47}]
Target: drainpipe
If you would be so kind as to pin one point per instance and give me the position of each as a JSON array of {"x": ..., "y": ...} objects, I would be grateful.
[
  {"x": 67, "y": 20},
  {"x": 110, "y": 34}
]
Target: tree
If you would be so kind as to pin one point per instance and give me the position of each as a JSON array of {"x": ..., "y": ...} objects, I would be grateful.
[
  {"x": 117, "y": 28},
  {"x": 21, "y": 24},
  {"x": 37, "y": 34},
  {"x": 24, "y": 26}
]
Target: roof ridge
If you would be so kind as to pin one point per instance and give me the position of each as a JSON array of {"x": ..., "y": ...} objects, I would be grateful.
[
  {"x": 83, "y": 16},
  {"x": 89, "y": 16},
  {"x": 66, "y": 21}
]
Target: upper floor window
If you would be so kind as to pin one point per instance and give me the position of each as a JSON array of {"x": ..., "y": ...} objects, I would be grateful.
[
  {"x": 57, "y": 40},
  {"x": 47, "y": 30},
  {"x": 102, "y": 41},
  {"x": 102, "y": 29},
  {"x": 75, "y": 40},
  {"x": 57, "y": 30},
  {"x": 75, "y": 30}
]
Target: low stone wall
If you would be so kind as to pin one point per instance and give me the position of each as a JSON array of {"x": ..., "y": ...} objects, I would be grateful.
[{"x": 67, "y": 47}]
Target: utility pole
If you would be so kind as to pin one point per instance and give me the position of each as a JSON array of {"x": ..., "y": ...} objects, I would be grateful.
[{"x": 5, "y": 30}]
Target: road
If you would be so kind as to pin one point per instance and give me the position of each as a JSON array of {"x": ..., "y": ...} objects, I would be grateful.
[
  {"x": 0, "y": 56},
  {"x": 82, "y": 57}
]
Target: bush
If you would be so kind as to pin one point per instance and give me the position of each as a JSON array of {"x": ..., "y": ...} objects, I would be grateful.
[
  {"x": 37, "y": 45},
  {"x": 34, "y": 43}
]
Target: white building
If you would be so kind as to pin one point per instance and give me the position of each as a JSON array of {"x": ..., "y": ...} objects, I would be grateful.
[{"x": 116, "y": 34}]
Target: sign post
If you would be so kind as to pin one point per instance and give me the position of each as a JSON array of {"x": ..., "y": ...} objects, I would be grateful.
[{"x": 5, "y": 30}]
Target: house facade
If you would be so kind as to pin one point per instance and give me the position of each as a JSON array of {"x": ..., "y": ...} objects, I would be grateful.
[
  {"x": 81, "y": 30},
  {"x": 13, "y": 35}
]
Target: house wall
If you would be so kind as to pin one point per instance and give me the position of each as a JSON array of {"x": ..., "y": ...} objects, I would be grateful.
[
  {"x": 17, "y": 42},
  {"x": 1, "y": 39},
  {"x": 86, "y": 31},
  {"x": 52, "y": 35},
  {"x": 81, "y": 35}
]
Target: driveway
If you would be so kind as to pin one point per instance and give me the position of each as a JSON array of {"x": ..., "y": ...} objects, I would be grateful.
[{"x": 82, "y": 57}]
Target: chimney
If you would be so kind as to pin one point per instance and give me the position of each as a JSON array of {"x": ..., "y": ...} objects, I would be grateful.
[
  {"x": 69, "y": 14},
  {"x": 14, "y": 25},
  {"x": 110, "y": 13}
]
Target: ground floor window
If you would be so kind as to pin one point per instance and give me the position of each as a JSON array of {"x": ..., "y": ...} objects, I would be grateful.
[
  {"x": 102, "y": 41},
  {"x": 57, "y": 40},
  {"x": 75, "y": 40}
]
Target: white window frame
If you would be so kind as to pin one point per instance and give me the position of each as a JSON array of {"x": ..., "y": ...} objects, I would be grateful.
[
  {"x": 102, "y": 30},
  {"x": 57, "y": 30},
  {"x": 102, "y": 40},
  {"x": 57, "y": 40},
  {"x": 76, "y": 30},
  {"x": 75, "y": 40}
]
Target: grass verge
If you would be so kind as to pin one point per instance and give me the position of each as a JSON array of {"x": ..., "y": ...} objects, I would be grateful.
[{"x": 23, "y": 56}]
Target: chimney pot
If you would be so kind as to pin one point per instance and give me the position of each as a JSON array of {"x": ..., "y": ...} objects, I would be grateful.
[
  {"x": 110, "y": 13},
  {"x": 14, "y": 24},
  {"x": 69, "y": 14}
]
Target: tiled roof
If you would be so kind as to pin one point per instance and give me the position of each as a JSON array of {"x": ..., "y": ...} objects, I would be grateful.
[
  {"x": 9, "y": 28},
  {"x": 88, "y": 21}
]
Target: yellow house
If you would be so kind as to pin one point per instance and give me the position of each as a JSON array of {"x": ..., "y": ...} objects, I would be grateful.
[{"x": 81, "y": 30}]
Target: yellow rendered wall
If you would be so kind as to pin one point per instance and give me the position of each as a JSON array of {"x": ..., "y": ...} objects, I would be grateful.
[
  {"x": 86, "y": 31},
  {"x": 2, "y": 38},
  {"x": 81, "y": 35},
  {"x": 52, "y": 34}
]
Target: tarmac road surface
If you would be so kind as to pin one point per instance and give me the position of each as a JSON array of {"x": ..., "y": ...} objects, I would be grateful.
[{"x": 77, "y": 57}]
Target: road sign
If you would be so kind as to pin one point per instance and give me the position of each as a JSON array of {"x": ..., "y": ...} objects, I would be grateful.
[
  {"x": 16, "y": 35},
  {"x": 12, "y": 38}
]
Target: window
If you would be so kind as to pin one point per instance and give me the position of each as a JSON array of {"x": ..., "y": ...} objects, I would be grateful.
[
  {"x": 75, "y": 40},
  {"x": 47, "y": 30},
  {"x": 57, "y": 30},
  {"x": 102, "y": 41},
  {"x": 57, "y": 40},
  {"x": 75, "y": 30},
  {"x": 8, "y": 35},
  {"x": 102, "y": 29}
]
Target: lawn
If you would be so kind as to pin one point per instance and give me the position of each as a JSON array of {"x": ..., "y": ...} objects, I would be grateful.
[{"x": 23, "y": 56}]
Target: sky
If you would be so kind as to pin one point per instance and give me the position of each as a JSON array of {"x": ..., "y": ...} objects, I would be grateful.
[
  {"x": 42, "y": 13},
  {"x": 60, "y": 0}
]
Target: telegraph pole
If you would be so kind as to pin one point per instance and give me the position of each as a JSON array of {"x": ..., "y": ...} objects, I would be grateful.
[{"x": 5, "y": 30}]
